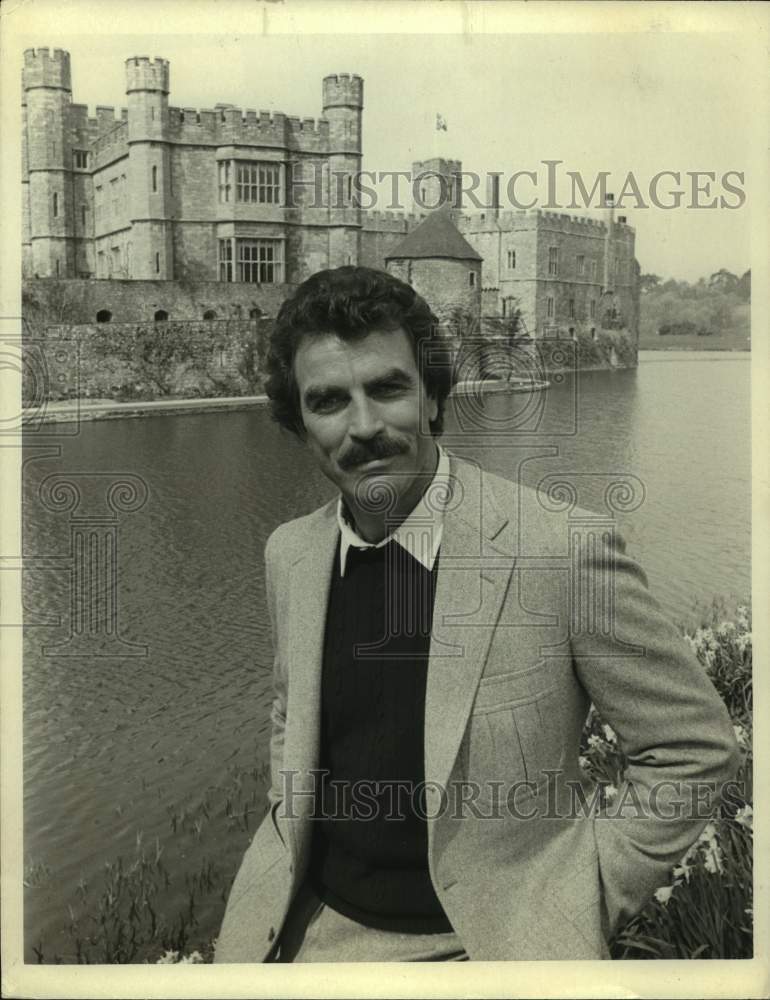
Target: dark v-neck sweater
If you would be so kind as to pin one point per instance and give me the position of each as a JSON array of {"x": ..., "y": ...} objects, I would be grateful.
[{"x": 370, "y": 844}]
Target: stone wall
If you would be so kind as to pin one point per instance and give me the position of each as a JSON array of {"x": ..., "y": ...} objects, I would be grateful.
[
  {"x": 145, "y": 361},
  {"x": 443, "y": 283},
  {"x": 47, "y": 302}
]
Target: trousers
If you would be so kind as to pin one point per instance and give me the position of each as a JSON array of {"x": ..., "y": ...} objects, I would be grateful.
[{"x": 314, "y": 932}]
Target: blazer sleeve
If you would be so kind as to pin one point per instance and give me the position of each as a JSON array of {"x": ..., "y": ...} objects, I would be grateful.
[
  {"x": 280, "y": 680},
  {"x": 670, "y": 723}
]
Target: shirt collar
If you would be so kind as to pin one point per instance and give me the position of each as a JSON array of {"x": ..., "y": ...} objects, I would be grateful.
[{"x": 419, "y": 534}]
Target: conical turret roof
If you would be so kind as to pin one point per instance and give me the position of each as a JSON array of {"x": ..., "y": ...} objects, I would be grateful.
[{"x": 436, "y": 236}]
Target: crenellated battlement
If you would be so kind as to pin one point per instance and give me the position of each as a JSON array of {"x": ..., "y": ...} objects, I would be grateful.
[
  {"x": 341, "y": 90},
  {"x": 487, "y": 219},
  {"x": 46, "y": 68},
  {"x": 384, "y": 221},
  {"x": 143, "y": 73},
  {"x": 228, "y": 125}
]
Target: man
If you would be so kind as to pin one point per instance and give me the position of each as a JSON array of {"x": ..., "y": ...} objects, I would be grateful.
[{"x": 435, "y": 659}]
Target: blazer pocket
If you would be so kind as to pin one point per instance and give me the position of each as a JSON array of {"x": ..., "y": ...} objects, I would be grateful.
[{"x": 515, "y": 730}]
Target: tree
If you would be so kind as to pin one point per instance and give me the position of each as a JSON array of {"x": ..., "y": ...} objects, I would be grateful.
[
  {"x": 649, "y": 281},
  {"x": 723, "y": 281}
]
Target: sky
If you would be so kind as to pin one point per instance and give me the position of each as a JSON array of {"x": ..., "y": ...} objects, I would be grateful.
[{"x": 618, "y": 102}]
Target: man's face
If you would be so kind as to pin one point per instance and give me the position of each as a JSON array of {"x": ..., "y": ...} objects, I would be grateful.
[{"x": 362, "y": 404}]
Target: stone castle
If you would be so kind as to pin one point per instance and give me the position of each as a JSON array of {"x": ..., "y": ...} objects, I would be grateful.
[{"x": 226, "y": 197}]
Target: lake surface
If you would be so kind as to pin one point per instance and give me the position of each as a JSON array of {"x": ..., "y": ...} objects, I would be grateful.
[{"x": 121, "y": 750}]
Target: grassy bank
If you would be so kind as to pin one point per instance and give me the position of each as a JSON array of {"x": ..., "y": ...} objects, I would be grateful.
[
  {"x": 733, "y": 340},
  {"x": 165, "y": 902}
]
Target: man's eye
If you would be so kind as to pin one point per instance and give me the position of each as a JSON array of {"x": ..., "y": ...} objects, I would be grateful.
[
  {"x": 327, "y": 404},
  {"x": 391, "y": 389}
]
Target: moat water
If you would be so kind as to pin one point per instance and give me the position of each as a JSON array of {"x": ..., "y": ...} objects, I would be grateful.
[{"x": 121, "y": 750}]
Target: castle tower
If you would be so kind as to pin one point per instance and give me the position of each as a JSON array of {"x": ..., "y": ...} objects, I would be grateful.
[
  {"x": 47, "y": 201},
  {"x": 440, "y": 264},
  {"x": 147, "y": 87},
  {"x": 436, "y": 183},
  {"x": 608, "y": 278},
  {"x": 343, "y": 102}
]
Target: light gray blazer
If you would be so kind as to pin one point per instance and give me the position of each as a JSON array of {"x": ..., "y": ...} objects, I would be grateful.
[{"x": 537, "y": 614}]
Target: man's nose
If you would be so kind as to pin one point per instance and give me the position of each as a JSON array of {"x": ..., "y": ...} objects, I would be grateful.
[{"x": 365, "y": 420}]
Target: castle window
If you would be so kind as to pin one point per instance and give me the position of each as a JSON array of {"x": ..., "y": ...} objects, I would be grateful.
[
  {"x": 157, "y": 263},
  {"x": 155, "y": 178},
  {"x": 593, "y": 333},
  {"x": 511, "y": 260},
  {"x": 114, "y": 197},
  {"x": 83, "y": 215},
  {"x": 116, "y": 268},
  {"x": 549, "y": 307},
  {"x": 593, "y": 270},
  {"x": 259, "y": 261},
  {"x": 571, "y": 306},
  {"x": 80, "y": 159},
  {"x": 225, "y": 260},
  {"x": 209, "y": 315},
  {"x": 581, "y": 265},
  {"x": 100, "y": 264},
  {"x": 472, "y": 279},
  {"x": 57, "y": 267},
  {"x": 592, "y": 308},
  {"x": 258, "y": 183},
  {"x": 350, "y": 188},
  {"x": 55, "y": 204},
  {"x": 103, "y": 316},
  {"x": 224, "y": 180},
  {"x": 553, "y": 261},
  {"x": 255, "y": 313},
  {"x": 161, "y": 316},
  {"x": 98, "y": 204}
]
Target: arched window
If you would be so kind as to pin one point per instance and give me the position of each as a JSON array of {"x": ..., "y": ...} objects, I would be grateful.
[
  {"x": 161, "y": 316},
  {"x": 155, "y": 178},
  {"x": 103, "y": 316},
  {"x": 210, "y": 314}
]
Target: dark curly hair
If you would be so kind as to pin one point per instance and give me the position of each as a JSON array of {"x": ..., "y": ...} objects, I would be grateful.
[{"x": 351, "y": 302}]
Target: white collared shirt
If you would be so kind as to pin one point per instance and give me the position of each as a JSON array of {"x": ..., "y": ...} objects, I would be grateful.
[{"x": 419, "y": 534}]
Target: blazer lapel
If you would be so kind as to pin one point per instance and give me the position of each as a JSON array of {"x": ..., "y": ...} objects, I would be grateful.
[
  {"x": 310, "y": 581},
  {"x": 473, "y": 578}
]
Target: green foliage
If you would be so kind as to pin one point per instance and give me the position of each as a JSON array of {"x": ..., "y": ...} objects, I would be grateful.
[
  {"x": 462, "y": 324},
  {"x": 706, "y": 911},
  {"x": 718, "y": 308}
]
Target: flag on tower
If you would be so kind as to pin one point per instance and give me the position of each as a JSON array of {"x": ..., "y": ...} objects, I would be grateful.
[{"x": 441, "y": 125}]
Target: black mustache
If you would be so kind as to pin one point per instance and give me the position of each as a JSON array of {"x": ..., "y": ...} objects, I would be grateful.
[{"x": 373, "y": 450}]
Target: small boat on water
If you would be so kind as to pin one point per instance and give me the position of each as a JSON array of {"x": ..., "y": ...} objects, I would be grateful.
[{"x": 484, "y": 385}]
